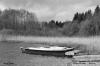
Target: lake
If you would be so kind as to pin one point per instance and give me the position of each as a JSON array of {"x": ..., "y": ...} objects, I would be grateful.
[{"x": 10, "y": 55}]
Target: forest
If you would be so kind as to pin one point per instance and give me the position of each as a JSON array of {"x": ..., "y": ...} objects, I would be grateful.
[{"x": 23, "y": 22}]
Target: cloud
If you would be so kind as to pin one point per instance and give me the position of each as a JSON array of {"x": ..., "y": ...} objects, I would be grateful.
[{"x": 51, "y": 9}]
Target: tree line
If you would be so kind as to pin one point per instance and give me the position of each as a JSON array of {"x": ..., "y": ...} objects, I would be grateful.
[{"x": 26, "y": 23}]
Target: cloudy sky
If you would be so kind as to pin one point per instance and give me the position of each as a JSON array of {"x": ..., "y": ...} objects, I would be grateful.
[{"x": 51, "y": 9}]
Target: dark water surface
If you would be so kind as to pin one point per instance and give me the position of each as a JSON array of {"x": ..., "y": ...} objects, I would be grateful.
[{"x": 10, "y": 55}]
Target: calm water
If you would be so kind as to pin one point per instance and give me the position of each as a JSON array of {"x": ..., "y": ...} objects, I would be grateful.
[{"x": 10, "y": 55}]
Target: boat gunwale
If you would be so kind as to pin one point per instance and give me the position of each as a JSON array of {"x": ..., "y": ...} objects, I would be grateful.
[{"x": 48, "y": 49}]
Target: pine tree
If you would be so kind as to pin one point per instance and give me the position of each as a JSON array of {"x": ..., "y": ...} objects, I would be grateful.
[
  {"x": 75, "y": 16},
  {"x": 97, "y": 10},
  {"x": 88, "y": 14}
]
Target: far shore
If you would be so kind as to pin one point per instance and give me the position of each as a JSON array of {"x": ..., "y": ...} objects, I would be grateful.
[{"x": 79, "y": 40}]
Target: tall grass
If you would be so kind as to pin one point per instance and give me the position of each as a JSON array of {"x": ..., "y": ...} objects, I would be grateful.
[{"x": 91, "y": 44}]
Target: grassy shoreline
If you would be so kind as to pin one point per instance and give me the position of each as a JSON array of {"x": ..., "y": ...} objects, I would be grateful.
[{"x": 90, "y": 44}]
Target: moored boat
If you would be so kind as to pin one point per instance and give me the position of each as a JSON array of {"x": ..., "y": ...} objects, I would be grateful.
[{"x": 53, "y": 50}]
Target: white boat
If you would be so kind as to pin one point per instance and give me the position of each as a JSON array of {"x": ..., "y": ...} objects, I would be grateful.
[{"x": 53, "y": 50}]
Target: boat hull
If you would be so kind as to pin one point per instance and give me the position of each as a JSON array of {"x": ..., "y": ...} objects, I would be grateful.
[{"x": 49, "y": 53}]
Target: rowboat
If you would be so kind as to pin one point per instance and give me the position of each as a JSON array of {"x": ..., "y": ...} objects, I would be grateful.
[{"x": 53, "y": 50}]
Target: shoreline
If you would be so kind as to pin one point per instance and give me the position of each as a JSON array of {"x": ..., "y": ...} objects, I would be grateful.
[{"x": 90, "y": 44}]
